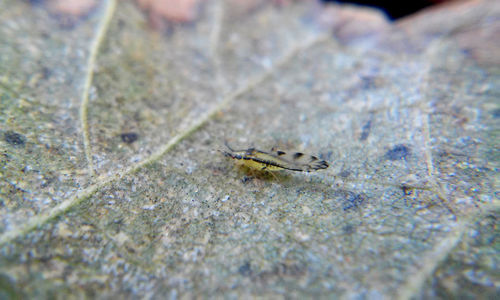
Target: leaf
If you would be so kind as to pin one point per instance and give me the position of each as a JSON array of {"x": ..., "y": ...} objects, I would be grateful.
[{"x": 112, "y": 183}]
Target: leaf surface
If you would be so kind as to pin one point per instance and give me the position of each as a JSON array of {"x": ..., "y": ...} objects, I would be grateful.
[{"x": 112, "y": 183}]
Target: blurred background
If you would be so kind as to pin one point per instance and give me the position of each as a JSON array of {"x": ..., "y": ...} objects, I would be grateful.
[{"x": 394, "y": 9}]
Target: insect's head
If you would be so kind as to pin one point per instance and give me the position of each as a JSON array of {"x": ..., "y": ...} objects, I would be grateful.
[{"x": 227, "y": 154}]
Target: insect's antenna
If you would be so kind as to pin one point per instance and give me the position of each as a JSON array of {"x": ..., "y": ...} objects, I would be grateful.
[
  {"x": 227, "y": 154},
  {"x": 228, "y": 147}
]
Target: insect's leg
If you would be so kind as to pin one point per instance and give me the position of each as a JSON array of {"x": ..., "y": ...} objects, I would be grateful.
[
  {"x": 275, "y": 178},
  {"x": 251, "y": 172},
  {"x": 264, "y": 168}
]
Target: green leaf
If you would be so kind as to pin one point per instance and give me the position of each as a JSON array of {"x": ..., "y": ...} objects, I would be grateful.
[{"x": 111, "y": 182}]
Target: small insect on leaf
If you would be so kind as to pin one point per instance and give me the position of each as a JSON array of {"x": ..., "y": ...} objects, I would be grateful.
[{"x": 275, "y": 160}]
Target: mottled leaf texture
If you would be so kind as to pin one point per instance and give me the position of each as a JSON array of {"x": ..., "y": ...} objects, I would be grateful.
[{"x": 112, "y": 184}]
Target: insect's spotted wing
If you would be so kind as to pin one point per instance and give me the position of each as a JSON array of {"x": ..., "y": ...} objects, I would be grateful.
[{"x": 301, "y": 161}]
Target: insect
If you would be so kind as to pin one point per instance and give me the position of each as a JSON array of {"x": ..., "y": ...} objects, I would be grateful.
[{"x": 276, "y": 160}]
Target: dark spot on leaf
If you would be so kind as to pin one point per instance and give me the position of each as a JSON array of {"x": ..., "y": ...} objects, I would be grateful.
[
  {"x": 46, "y": 73},
  {"x": 365, "y": 130},
  {"x": 398, "y": 152},
  {"x": 14, "y": 138},
  {"x": 368, "y": 82},
  {"x": 326, "y": 156},
  {"x": 289, "y": 269},
  {"x": 298, "y": 155},
  {"x": 121, "y": 23},
  {"x": 313, "y": 158},
  {"x": 352, "y": 201},
  {"x": 280, "y": 153},
  {"x": 407, "y": 191},
  {"x": 129, "y": 137},
  {"x": 245, "y": 269},
  {"x": 349, "y": 229},
  {"x": 345, "y": 173},
  {"x": 496, "y": 113},
  {"x": 120, "y": 99},
  {"x": 44, "y": 34},
  {"x": 47, "y": 180}
]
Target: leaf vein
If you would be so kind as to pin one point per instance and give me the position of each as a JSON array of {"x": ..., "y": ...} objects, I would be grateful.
[
  {"x": 94, "y": 49},
  {"x": 105, "y": 180}
]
